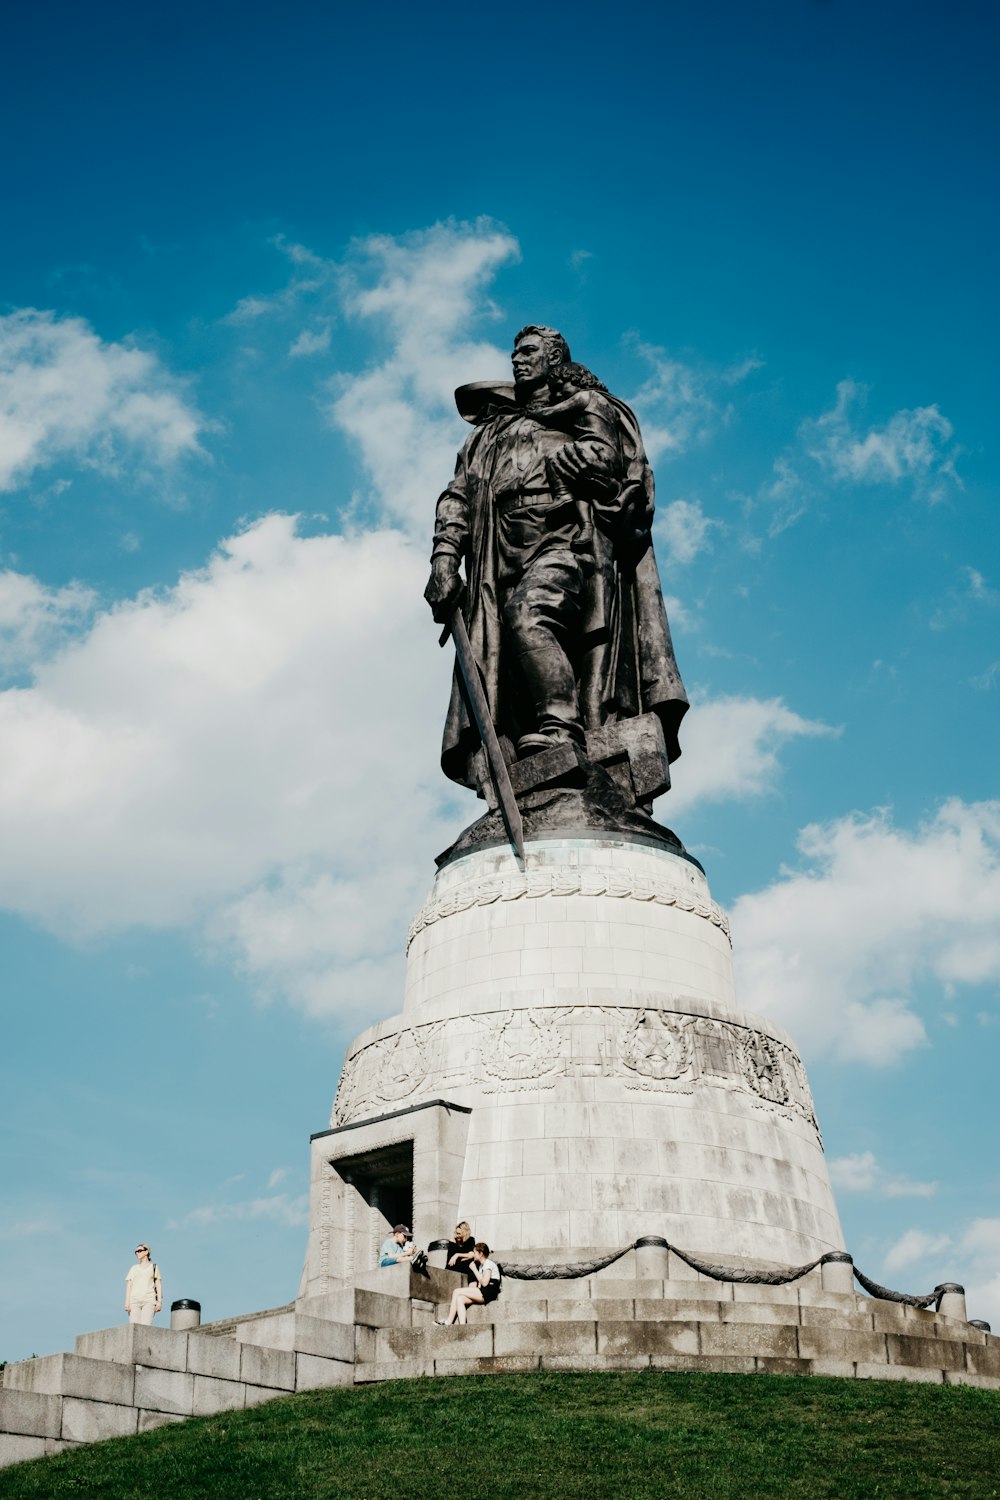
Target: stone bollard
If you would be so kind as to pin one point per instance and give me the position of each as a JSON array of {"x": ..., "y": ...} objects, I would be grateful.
[
  {"x": 837, "y": 1272},
  {"x": 981, "y": 1324},
  {"x": 951, "y": 1301},
  {"x": 652, "y": 1258},
  {"x": 185, "y": 1314},
  {"x": 437, "y": 1254}
]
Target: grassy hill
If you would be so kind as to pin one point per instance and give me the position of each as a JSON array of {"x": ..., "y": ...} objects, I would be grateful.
[{"x": 517, "y": 1437}]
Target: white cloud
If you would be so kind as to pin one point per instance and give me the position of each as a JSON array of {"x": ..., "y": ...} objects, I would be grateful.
[
  {"x": 731, "y": 749},
  {"x": 913, "y": 1247},
  {"x": 196, "y": 742},
  {"x": 280, "y": 1208},
  {"x": 30, "y": 1229},
  {"x": 310, "y": 341},
  {"x": 984, "y": 682},
  {"x": 67, "y": 394},
  {"x": 967, "y": 596},
  {"x": 837, "y": 951},
  {"x": 425, "y": 291},
  {"x": 311, "y": 276},
  {"x": 861, "y": 1173},
  {"x": 786, "y": 494},
  {"x": 914, "y": 445},
  {"x": 682, "y": 530},
  {"x": 674, "y": 404},
  {"x": 34, "y": 619},
  {"x": 970, "y": 1256}
]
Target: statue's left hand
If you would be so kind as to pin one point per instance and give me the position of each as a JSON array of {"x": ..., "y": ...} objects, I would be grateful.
[{"x": 570, "y": 463}]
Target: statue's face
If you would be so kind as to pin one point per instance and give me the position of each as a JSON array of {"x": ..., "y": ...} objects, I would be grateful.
[{"x": 530, "y": 360}]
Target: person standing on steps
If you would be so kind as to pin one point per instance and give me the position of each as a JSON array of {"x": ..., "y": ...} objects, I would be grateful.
[{"x": 143, "y": 1288}]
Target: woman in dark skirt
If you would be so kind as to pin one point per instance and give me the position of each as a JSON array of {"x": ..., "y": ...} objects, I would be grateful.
[{"x": 485, "y": 1288}]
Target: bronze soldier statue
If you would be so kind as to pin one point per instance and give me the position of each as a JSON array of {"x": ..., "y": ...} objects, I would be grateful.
[{"x": 550, "y": 513}]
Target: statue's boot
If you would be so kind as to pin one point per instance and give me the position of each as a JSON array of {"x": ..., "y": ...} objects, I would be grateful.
[{"x": 550, "y": 687}]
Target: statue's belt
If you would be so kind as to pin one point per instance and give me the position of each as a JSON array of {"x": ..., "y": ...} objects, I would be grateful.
[{"x": 516, "y": 499}]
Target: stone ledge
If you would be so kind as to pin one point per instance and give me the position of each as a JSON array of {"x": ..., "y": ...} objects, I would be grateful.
[
  {"x": 30, "y": 1414},
  {"x": 73, "y": 1375},
  {"x": 91, "y": 1421},
  {"x": 148, "y": 1420},
  {"x": 313, "y": 1373},
  {"x": 20, "y": 1448},
  {"x": 135, "y": 1344},
  {"x": 212, "y": 1395},
  {"x": 165, "y": 1390}
]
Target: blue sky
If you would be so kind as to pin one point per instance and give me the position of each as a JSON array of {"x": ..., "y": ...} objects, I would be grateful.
[{"x": 245, "y": 259}]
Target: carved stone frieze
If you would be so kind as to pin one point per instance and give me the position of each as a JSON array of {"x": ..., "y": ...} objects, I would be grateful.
[
  {"x": 763, "y": 1067},
  {"x": 523, "y": 1044},
  {"x": 657, "y": 1045},
  {"x": 652, "y": 1050},
  {"x": 389, "y": 1070},
  {"x": 565, "y": 881}
]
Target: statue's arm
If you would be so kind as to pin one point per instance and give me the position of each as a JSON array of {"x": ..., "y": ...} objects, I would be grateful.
[
  {"x": 594, "y": 459},
  {"x": 451, "y": 534}
]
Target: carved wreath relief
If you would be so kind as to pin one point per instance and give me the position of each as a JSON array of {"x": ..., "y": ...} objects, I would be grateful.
[{"x": 514, "y": 1050}]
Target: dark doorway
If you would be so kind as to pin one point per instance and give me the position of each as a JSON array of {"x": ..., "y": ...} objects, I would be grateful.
[{"x": 384, "y": 1178}]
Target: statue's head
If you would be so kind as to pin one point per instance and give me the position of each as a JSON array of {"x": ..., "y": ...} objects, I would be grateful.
[
  {"x": 541, "y": 355},
  {"x": 538, "y": 353}
]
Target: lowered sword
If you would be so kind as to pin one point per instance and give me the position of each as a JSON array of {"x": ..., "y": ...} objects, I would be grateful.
[{"x": 499, "y": 775}]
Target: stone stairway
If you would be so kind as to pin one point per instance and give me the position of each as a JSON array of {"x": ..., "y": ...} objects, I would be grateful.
[
  {"x": 605, "y": 1323},
  {"x": 125, "y": 1380}
]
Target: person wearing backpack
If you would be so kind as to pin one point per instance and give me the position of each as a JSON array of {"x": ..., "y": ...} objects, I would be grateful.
[
  {"x": 143, "y": 1289},
  {"x": 485, "y": 1289}
]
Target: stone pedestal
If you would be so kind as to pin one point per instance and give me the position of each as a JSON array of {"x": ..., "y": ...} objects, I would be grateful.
[{"x": 570, "y": 1071}]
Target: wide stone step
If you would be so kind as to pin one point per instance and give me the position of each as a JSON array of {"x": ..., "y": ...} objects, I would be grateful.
[{"x": 736, "y": 1344}]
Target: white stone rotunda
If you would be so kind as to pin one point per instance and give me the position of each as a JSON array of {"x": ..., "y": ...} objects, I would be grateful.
[{"x": 571, "y": 1070}]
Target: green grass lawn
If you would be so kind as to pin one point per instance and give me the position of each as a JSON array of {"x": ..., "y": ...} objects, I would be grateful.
[{"x": 510, "y": 1437}]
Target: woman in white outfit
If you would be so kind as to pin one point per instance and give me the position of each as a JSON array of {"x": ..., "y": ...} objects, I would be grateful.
[{"x": 143, "y": 1288}]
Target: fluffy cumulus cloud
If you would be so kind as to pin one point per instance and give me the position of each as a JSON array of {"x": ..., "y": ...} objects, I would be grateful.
[
  {"x": 66, "y": 394},
  {"x": 676, "y": 404},
  {"x": 841, "y": 950},
  {"x": 272, "y": 717},
  {"x": 914, "y": 445},
  {"x": 422, "y": 293},
  {"x": 682, "y": 531},
  {"x": 861, "y": 1173},
  {"x": 969, "y": 1255},
  {"x": 34, "y": 620},
  {"x": 731, "y": 749}
]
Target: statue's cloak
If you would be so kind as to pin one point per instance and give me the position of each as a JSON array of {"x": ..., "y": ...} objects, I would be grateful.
[{"x": 625, "y": 665}]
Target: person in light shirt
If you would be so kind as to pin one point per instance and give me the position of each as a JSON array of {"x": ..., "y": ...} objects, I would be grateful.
[
  {"x": 484, "y": 1290},
  {"x": 396, "y": 1247},
  {"x": 143, "y": 1288}
]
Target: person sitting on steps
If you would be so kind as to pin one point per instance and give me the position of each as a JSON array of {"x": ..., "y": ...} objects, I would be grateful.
[
  {"x": 460, "y": 1250},
  {"x": 485, "y": 1290},
  {"x": 397, "y": 1247}
]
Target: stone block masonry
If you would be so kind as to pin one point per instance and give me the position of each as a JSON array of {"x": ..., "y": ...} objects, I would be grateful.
[
  {"x": 570, "y": 1070},
  {"x": 128, "y": 1380}
]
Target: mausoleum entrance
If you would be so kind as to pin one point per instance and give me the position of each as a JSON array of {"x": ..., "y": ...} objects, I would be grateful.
[{"x": 383, "y": 1180}]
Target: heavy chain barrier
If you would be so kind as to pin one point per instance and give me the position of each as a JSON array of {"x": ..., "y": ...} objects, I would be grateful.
[{"x": 782, "y": 1276}]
